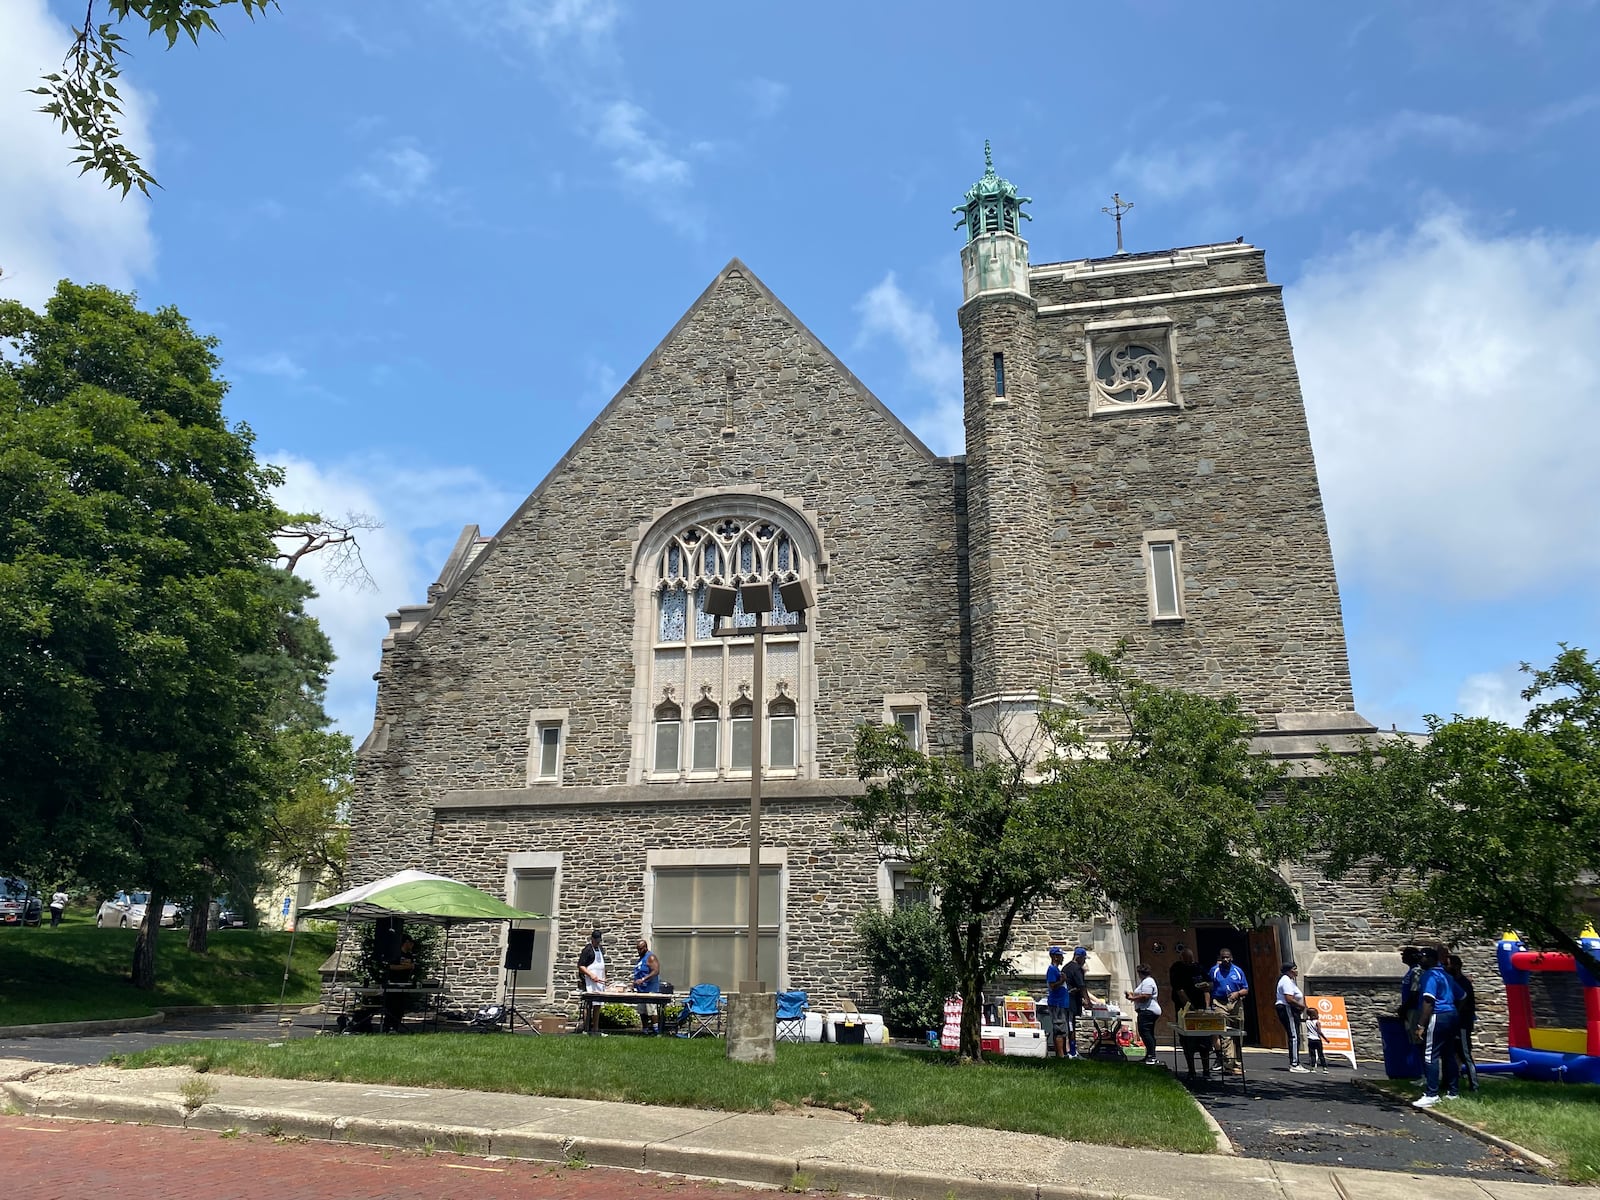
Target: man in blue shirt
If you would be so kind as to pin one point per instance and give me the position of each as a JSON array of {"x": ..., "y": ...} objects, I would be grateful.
[
  {"x": 1229, "y": 987},
  {"x": 1435, "y": 1028},
  {"x": 1059, "y": 998}
]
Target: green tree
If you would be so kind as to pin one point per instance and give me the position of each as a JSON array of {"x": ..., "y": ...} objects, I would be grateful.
[
  {"x": 82, "y": 96},
  {"x": 135, "y": 538},
  {"x": 1481, "y": 826},
  {"x": 1148, "y": 798},
  {"x": 910, "y": 960}
]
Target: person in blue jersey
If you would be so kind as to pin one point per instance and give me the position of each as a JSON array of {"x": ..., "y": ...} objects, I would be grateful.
[
  {"x": 1229, "y": 987},
  {"x": 1058, "y": 998},
  {"x": 1434, "y": 1028},
  {"x": 647, "y": 978}
]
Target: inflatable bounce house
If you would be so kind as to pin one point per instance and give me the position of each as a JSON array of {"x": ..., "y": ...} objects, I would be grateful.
[{"x": 1553, "y": 1003}]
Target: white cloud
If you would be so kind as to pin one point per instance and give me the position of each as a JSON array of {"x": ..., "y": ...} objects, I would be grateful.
[
  {"x": 641, "y": 158},
  {"x": 1283, "y": 173},
  {"x": 1451, "y": 381},
  {"x": 422, "y": 510},
  {"x": 54, "y": 222},
  {"x": 398, "y": 173},
  {"x": 767, "y": 96},
  {"x": 276, "y": 364},
  {"x": 1494, "y": 694},
  {"x": 933, "y": 364}
]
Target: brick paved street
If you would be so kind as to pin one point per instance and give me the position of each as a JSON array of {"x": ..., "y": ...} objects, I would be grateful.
[{"x": 85, "y": 1160}]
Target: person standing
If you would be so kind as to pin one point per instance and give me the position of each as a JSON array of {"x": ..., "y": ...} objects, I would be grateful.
[
  {"x": 647, "y": 978},
  {"x": 1314, "y": 1041},
  {"x": 1434, "y": 1029},
  {"x": 1291, "y": 1006},
  {"x": 1229, "y": 987},
  {"x": 58, "y": 905},
  {"x": 1146, "y": 1009},
  {"x": 1188, "y": 988},
  {"x": 1466, "y": 1020},
  {"x": 1058, "y": 1001},
  {"x": 1409, "y": 982},
  {"x": 592, "y": 978},
  {"x": 1078, "y": 995}
]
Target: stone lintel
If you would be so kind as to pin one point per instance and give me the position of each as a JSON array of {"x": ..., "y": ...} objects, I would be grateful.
[
  {"x": 720, "y": 792},
  {"x": 1384, "y": 965}
]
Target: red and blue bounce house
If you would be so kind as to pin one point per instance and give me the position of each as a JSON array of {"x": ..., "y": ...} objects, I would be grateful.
[{"x": 1559, "y": 1052}]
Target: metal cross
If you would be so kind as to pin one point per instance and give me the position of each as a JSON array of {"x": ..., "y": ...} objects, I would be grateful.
[{"x": 1118, "y": 207}]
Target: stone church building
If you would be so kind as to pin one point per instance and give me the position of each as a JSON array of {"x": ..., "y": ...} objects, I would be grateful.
[{"x": 558, "y": 725}]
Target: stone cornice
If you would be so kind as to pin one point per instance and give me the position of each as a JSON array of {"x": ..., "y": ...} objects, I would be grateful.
[{"x": 821, "y": 791}]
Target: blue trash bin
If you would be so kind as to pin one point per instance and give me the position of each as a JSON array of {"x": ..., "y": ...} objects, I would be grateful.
[{"x": 1402, "y": 1058}]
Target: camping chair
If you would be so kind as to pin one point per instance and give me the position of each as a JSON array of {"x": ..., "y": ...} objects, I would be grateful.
[
  {"x": 702, "y": 1014},
  {"x": 792, "y": 1016}
]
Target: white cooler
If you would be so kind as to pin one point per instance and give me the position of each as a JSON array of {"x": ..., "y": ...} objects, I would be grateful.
[
  {"x": 1024, "y": 1043},
  {"x": 814, "y": 1027},
  {"x": 876, "y": 1033}
]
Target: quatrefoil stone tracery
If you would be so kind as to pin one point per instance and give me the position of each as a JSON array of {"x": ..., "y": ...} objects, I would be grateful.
[{"x": 1131, "y": 372}]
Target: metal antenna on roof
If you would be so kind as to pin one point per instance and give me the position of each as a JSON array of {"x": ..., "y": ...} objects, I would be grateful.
[{"x": 1118, "y": 207}]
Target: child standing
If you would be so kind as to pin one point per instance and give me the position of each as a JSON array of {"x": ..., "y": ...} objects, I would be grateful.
[{"x": 1313, "y": 1026}]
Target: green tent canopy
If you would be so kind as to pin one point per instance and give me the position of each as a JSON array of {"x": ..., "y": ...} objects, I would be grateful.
[{"x": 416, "y": 896}]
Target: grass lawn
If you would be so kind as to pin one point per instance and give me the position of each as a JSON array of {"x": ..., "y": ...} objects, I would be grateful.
[
  {"x": 1114, "y": 1104},
  {"x": 80, "y": 973},
  {"x": 1558, "y": 1120}
]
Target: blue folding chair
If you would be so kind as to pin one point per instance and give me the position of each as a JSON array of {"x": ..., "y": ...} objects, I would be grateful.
[
  {"x": 702, "y": 1015},
  {"x": 792, "y": 1016}
]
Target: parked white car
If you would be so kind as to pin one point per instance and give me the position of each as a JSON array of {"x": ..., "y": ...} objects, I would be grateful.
[{"x": 125, "y": 910}]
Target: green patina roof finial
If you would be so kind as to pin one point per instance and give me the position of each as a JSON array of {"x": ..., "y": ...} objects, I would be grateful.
[{"x": 991, "y": 205}]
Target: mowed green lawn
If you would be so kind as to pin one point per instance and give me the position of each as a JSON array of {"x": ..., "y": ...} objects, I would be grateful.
[
  {"x": 80, "y": 973},
  {"x": 1114, "y": 1104},
  {"x": 1558, "y": 1120}
]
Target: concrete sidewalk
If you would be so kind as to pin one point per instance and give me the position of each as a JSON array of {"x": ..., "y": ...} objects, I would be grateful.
[{"x": 826, "y": 1151}]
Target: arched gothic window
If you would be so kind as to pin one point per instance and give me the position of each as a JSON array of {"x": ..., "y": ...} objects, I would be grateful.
[{"x": 729, "y": 549}]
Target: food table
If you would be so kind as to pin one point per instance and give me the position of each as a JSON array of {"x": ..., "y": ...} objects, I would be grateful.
[
  {"x": 1204, "y": 1026},
  {"x": 660, "y": 999}
]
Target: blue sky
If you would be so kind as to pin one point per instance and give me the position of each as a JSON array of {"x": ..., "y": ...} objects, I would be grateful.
[{"x": 435, "y": 236}]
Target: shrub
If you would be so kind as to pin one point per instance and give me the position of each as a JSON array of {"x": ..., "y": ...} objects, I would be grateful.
[{"x": 910, "y": 962}]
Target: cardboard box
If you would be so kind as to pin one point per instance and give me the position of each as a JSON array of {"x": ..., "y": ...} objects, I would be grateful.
[
  {"x": 1204, "y": 1021},
  {"x": 551, "y": 1024}
]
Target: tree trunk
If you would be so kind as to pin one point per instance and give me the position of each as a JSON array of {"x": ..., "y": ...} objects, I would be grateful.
[
  {"x": 144, "y": 946},
  {"x": 969, "y": 960},
  {"x": 199, "y": 921}
]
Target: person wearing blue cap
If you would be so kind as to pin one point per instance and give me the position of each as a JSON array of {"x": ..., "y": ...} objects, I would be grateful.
[{"x": 1059, "y": 999}]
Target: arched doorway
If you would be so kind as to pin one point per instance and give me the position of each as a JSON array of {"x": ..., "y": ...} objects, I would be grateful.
[{"x": 1259, "y": 951}]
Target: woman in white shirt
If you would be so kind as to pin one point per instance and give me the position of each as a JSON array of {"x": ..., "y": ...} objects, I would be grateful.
[
  {"x": 1291, "y": 1004},
  {"x": 1146, "y": 1009}
]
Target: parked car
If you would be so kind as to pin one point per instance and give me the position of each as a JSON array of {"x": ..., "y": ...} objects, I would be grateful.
[
  {"x": 19, "y": 904},
  {"x": 125, "y": 910},
  {"x": 229, "y": 915}
]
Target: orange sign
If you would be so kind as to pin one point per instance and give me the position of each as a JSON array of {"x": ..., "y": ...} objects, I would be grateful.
[{"x": 1335, "y": 1025}]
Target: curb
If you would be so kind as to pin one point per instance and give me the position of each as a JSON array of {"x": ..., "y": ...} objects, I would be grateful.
[
  {"x": 658, "y": 1157},
  {"x": 75, "y": 1028},
  {"x": 128, "y": 1024},
  {"x": 1548, "y": 1166}
]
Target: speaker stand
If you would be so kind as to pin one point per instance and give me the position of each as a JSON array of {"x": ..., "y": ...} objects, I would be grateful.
[{"x": 513, "y": 1013}]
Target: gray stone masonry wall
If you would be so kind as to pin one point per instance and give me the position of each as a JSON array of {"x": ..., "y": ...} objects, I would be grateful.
[
  {"x": 545, "y": 618},
  {"x": 1007, "y": 522},
  {"x": 603, "y": 873},
  {"x": 1231, "y": 472}
]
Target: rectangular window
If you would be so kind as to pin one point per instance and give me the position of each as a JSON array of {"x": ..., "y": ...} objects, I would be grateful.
[
  {"x": 740, "y": 729},
  {"x": 780, "y": 753},
  {"x": 910, "y": 722},
  {"x": 700, "y": 920},
  {"x": 535, "y": 891},
  {"x": 549, "y": 750},
  {"x": 1164, "y": 601},
  {"x": 999, "y": 374},
  {"x": 667, "y": 738},
  {"x": 706, "y": 730}
]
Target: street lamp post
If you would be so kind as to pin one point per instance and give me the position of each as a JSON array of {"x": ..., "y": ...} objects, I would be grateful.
[{"x": 753, "y": 1041}]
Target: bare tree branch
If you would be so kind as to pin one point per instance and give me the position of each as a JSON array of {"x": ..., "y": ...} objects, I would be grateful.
[{"x": 312, "y": 533}]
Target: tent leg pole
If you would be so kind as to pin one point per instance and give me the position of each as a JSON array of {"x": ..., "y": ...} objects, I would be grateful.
[{"x": 287, "y": 963}]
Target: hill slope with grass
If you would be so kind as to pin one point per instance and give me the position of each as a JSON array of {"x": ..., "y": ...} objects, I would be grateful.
[{"x": 80, "y": 973}]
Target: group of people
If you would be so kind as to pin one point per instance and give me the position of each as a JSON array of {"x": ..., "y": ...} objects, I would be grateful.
[
  {"x": 1221, "y": 987},
  {"x": 646, "y": 977},
  {"x": 1068, "y": 995},
  {"x": 1439, "y": 1007}
]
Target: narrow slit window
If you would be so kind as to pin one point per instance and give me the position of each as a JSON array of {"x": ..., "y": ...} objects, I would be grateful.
[
  {"x": 999, "y": 374},
  {"x": 667, "y": 735},
  {"x": 549, "y": 746},
  {"x": 910, "y": 722},
  {"x": 1164, "y": 580}
]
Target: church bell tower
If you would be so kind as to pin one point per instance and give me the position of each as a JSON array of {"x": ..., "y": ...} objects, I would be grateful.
[{"x": 1007, "y": 507}]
